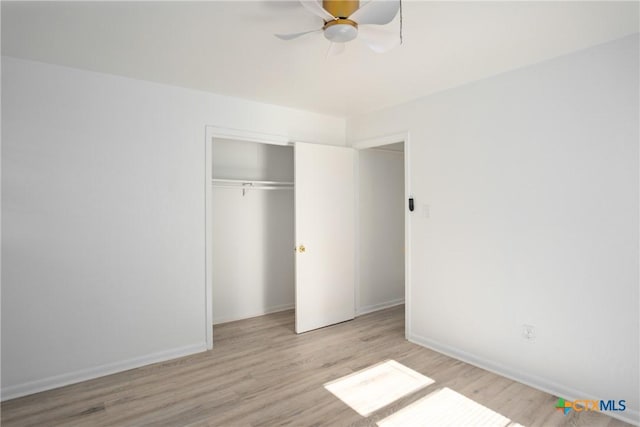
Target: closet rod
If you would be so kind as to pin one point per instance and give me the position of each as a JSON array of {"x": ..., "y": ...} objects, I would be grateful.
[
  {"x": 249, "y": 182},
  {"x": 250, "y": 187}
]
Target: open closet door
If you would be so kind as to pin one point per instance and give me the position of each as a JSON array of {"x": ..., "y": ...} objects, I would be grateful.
[{"x": 325, "y": 229}]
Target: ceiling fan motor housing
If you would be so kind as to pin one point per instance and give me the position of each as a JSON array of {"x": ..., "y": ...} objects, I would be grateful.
[{"x": 341, "y": 8}]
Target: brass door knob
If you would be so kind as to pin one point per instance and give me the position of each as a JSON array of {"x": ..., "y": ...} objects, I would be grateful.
[{"x": 302, "y": 249}]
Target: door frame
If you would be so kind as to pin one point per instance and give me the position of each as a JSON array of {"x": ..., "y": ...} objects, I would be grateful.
[
  {"x": 212, "y": 132},
  {"x": 373, "y": 143}
]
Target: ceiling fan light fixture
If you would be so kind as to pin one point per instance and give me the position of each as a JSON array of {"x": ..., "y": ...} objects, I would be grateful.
[
  {"x": 343, "y": 20},
  {"x": 340, "y": 30}
]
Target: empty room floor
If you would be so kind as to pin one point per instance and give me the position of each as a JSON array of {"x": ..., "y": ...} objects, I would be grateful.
[{"x": 260, "y": 373}]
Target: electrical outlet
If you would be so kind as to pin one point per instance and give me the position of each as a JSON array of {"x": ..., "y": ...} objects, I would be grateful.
[{"x": 529, "y": 332}]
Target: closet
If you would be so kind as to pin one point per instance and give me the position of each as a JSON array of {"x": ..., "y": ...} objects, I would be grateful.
[
  {"x": 282, "y": 231},
  {"x": 253, "y": 228}
]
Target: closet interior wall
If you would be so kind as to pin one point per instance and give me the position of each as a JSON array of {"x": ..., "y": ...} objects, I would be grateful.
[{"x": 253, "y": 230}]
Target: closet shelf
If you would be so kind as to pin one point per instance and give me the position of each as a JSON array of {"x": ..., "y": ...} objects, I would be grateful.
[{"x": 245, "y": 185}]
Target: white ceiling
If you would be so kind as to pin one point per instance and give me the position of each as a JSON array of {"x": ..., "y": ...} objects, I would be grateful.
[{"x": 227, "y": 47}]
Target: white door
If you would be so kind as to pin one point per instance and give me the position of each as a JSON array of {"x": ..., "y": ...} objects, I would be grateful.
[{"x": 325, "y": 228}]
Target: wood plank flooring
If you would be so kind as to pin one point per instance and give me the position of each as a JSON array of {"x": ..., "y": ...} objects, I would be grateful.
[{"x": 260, "y": 373}]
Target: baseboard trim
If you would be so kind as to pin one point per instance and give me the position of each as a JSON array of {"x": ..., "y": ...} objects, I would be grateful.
[
  {"x": 249, "y": 315},
  {"x": 62, "y": 380},
  {"x": 381, "y": 306},
  {"x": 630, "y": 416}
]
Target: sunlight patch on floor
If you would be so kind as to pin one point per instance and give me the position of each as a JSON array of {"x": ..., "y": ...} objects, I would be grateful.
[
  {"x": 445, "y": 407},
  {"x": 372, "y": 388}
]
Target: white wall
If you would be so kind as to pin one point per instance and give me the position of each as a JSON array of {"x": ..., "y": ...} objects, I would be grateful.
[
  {"x": 381, "y": 229},
  {"x": 253, "y": 259},
  {"x": 532, "y": 182},
  {"x": 103, "y": 242}
]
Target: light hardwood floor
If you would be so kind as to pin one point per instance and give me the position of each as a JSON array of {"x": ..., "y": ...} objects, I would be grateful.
[{"x": 260, "y": 373}]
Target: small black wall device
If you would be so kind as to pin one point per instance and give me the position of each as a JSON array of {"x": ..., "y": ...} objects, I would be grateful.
[{"x": 411, "y": 204}]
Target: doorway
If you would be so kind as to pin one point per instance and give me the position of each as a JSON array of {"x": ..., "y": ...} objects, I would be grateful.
[
  {"x": 381, "y": 227},
  {"x": 383, "y": 264}
]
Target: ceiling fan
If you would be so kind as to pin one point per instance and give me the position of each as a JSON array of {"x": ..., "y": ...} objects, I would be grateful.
[{"x": 344, "y": 20}]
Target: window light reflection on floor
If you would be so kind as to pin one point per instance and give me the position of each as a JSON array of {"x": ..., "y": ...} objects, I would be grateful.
[
  {"x": 372, "y": 388},
  {"x": 445, "y": 407}
]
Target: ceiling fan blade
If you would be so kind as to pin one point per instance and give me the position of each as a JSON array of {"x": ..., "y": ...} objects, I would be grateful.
[
  {"x": 377, "y": 39},
  {"x": 314, "y": 7},
  {"x": 377, "y": 12},
  {"x": 335, "y": 49},
  {"x": 294, "y": 35}
]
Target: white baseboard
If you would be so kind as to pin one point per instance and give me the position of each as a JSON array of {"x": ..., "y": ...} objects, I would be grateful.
[
  {"x": 631, "y": 416},
  {"x": 381, "y": 306},
  {"x": 250, "y": 314},
  {"x": 56, "y": 381}
]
